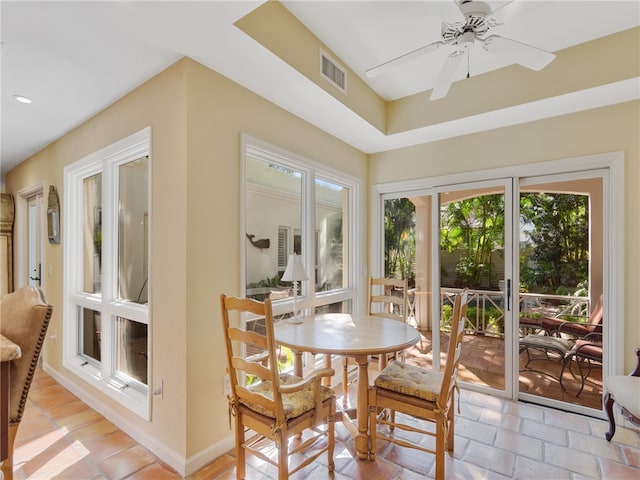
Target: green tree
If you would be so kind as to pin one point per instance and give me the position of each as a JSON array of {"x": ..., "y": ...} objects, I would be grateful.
[
  {"x": 557, "y": 227},
  {"x": 475, "y": 228},
  {"x": 399, "y": 238}
]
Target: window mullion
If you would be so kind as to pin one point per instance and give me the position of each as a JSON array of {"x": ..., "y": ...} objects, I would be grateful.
[
  {"x": 308, "y": 232},
  {"x": 107, "y": 345},
  {"x": 110, "y": 234},
  {"x": 109, "y": 268}
]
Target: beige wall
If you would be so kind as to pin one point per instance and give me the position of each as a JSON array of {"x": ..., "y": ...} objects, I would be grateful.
[
  {"x": 603, "y": 61},
  {"x": 219, "y": 111},
  {"x": 159, "y": 103},
  {"x": 610, "y": 129},
  {"x": 197, "y": 118},
  {"x": 275, "y": 28}
]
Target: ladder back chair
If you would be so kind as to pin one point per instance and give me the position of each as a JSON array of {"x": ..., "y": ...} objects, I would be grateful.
[
  {"x": 382, "y": 303},
  {"x": 267, "y": 404},
  {"x": 422, "y": 394}
]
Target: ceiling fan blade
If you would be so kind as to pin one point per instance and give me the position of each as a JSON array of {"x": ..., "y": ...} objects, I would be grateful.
[
  {"x": 446, "y": 75},
  {"x": 432, "y": 47},
  {"x": 520, "y": 53}
]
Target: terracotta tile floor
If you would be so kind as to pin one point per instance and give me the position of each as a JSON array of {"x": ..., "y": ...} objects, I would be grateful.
[
  {"x": 61, "y": 438},
  {"x": 482, "y": 363}
]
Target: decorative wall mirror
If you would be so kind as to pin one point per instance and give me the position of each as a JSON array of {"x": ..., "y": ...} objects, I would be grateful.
[{"x": 53, "y": 216}]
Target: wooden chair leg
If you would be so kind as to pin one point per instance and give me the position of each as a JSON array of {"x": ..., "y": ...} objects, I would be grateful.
[
  {"x": 440, "y": 447},
  {"x": 283, "y": 456},
  {"x": 7, "y": 465},
  {"x": 450, "y": 425},
  {"x": 240, "y": 451},
  {"x": 345, "y": 381},
  {"x": 373, "y": 424},
  {"x": 331, "y": 431},
  {"x": 607, "y": 403}
]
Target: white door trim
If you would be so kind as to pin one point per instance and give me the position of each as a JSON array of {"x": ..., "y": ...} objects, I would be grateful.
[{"x": 21, "y": 247}]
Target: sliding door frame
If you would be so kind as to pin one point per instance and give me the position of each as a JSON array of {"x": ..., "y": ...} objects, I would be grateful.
[{"x": 613, "y": 232}]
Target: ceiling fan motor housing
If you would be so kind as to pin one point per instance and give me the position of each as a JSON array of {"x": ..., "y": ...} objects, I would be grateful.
[{"x": 476, "y": 23}]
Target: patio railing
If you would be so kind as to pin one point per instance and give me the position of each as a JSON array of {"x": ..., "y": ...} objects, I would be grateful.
[{"x": 485, "y": 311}]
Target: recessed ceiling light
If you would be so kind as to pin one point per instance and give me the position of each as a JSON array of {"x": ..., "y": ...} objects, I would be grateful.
[{"x": 22, "y": 98}]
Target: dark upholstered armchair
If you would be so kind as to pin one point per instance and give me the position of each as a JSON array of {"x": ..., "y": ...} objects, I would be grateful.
[
  {"x": 625, "y": 391},
  {"x": 24, "y": 318}
]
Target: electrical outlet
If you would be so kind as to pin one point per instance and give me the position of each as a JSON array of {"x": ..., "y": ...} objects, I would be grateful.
[
  {"x": 226, "y": 385},
  {"x": 159, "y": 389}
]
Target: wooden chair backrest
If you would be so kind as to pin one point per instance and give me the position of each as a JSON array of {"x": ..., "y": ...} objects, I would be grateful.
[
  {"x": 385, "y": 303},
  {"x": 455, "y": 348},
  {"x": 262, "y": 364}
]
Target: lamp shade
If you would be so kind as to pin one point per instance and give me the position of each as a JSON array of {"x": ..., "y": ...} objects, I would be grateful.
[{"x": 295, "y": 270}]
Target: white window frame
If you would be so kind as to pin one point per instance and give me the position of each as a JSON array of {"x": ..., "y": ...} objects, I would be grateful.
[
  {"x": 309, "y": 298},
  {"x": 131, "y": 394}
]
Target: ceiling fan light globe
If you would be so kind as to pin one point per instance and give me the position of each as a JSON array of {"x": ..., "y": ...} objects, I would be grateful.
[{"x": 475, "y": 8}]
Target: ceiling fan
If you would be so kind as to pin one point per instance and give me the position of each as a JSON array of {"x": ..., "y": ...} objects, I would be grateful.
[{"x": 462, "y": 36}]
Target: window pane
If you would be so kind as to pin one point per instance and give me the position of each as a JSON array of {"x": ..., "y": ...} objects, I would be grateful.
[
  {"x": 331, "y": 236},
  {"x": 273, "y": 211},
  {"x": 339, "y": 307},
  {"x": 92, "y": 234},
  {"x": 131, "y": 349},
  {"x": 133, "y": 211},
  {"x": 89, "y": 329},
  {"x": 283, "y": 248}
]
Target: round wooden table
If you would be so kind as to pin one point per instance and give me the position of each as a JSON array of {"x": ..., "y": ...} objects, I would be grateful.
[{"x": 356, "y": 336}]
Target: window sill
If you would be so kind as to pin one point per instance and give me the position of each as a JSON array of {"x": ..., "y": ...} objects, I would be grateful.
[{"x": 131, "y": 398}]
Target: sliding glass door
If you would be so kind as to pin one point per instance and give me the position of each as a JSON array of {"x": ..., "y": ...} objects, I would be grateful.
[
  {"x": 475, "y": 252},
  {"x": 530, "y": 250},
  {"x": 561, "y": 266},
  {"x": 443, "y": 241}
]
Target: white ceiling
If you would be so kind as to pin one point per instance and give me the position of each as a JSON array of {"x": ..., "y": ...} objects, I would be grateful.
[{"x": 73, "y": 59}]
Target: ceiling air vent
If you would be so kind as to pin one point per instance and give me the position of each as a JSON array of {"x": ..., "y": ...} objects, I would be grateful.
[{"x": 332, "y": 72}]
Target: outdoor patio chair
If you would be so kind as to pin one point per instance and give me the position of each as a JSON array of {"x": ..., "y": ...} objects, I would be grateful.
[
  {"x": 25, "y": 318},
  {"x": 420, "y": 393},
  {"x": 557, "y": 327},
  {"x": 382, "y": 303},
  {"x": 586, "y": 354},
  {"x": 274, "y": 405},
  {"x": 555, "y": 349},
  {"x": 625, "y": 391},
  {"x": 528, "y": 325}
]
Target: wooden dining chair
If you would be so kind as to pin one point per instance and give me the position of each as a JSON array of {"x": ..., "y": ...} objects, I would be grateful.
[
  {"x": 270, "y": 404},
  {"x": 388, "y": 299},
  {"x": 422, "y": 394}
]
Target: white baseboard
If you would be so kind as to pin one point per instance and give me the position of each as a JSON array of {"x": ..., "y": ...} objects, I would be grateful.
[
  {"x": 176, "y": 461},
  {"x": 209, "y": 454}
]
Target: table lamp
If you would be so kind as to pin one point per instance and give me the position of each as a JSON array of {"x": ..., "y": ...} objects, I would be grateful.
[{"x": 295, "y": 273}]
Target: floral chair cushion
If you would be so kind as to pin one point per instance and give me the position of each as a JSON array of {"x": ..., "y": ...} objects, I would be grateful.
[
  {"x": 410, "y": 380},
  {"x": 294, "y": 404}
]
